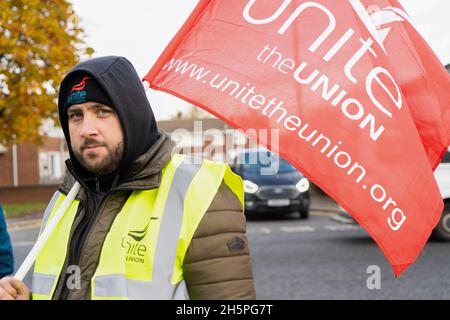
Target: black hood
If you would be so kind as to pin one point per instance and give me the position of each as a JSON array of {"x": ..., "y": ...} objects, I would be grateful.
[{"x": 117, "y": 76}]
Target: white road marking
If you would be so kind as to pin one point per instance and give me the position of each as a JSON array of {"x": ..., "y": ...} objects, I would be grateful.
[
  {"x": 259, "y": 231},
  {"x": 298, "y": 229},
  {"x": 341, "y": 228},
  {"x": 343, "y": 220}
]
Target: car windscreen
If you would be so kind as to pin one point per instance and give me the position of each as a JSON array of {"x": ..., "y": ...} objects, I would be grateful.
[{"x": 253, "y": 162}]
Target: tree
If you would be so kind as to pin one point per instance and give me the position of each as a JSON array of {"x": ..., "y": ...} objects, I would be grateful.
[{"x": 39, "y": 42}]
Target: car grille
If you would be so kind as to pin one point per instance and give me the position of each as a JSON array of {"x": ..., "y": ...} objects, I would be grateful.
[{"x": 277, "y": 192}]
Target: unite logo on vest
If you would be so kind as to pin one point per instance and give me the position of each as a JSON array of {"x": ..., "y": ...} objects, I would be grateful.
[{"x": 136, "y": 251}]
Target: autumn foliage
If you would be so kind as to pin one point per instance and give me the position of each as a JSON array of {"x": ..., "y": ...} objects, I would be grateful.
[{"x": 39, "y": 42}]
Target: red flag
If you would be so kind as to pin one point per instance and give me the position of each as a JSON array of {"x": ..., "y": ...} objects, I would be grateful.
[
  {"x": 320, "y": 73},
  {"x": 419, "y": 73}
]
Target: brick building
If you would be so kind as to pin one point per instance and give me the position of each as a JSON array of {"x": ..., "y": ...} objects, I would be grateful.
[
  {"x": 207, "y": 138},
  {"x": 30, "y": 173},
  {"x": 28, "y": 165}
]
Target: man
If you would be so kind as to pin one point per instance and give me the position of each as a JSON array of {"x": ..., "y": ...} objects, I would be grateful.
[
  {"x": 146, "y": 224},
  {"x": 6, "y": 254}
]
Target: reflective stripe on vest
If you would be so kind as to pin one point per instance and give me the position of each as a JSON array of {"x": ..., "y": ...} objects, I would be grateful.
[
  {"x": 43, "y": 283},
  {"x": 49, "y": 210},
  {"x": 146, "y": 262}
]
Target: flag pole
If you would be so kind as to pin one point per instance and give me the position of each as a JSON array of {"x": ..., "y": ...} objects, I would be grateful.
[
  {"x": 31, "y": 258},
  {"x": 146, "y": 85}
]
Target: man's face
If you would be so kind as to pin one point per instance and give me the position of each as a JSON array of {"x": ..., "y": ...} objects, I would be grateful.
[{"x": 96, "y": 137}]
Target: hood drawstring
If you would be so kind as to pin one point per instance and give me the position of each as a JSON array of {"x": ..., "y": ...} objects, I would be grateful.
[{"x": 115, "y": 181}]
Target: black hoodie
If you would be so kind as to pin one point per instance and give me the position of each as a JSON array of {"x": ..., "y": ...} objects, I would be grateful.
[
  {"x": 119, "y": 79},
  {"x": 117, "y": 76}
]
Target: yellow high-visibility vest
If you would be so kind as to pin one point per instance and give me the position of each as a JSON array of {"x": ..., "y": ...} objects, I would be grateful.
[{"x": 143, "y": 253}]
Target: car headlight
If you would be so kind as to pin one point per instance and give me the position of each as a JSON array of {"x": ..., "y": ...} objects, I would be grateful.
[
  {"x": 302, "y": 185},
  {"x": 250, "y": 187}
]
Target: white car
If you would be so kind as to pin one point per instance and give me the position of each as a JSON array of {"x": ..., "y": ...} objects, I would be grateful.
[{"x": 442, "y": 175}]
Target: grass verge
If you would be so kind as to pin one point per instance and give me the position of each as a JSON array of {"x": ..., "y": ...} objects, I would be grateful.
[{"x": 22, "y": 209}]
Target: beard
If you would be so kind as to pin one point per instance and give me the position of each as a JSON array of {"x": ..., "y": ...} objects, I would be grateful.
[{"x": 107, "y": 165}]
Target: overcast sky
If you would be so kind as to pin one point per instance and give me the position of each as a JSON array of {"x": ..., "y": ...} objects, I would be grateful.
[{"x": 140, "y": 29}]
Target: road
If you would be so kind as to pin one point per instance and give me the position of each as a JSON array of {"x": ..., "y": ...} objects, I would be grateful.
[
  {"x": 319, "y": 258},
  {"x": 322, "y": 259}
]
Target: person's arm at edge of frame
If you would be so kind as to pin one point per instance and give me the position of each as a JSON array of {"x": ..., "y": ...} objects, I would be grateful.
[
  {"x": 10, "y": 288},
  {"x": 6, "y": 252}
]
